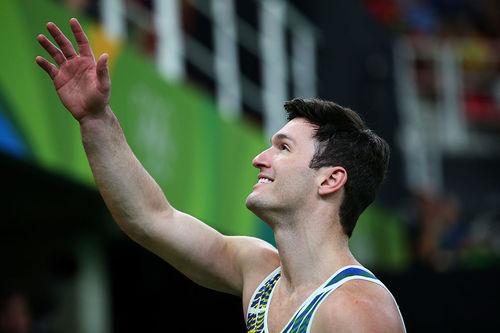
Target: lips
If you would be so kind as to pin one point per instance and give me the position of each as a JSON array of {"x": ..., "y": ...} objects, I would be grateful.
[
  {"x": 264, "y": 176},
  {"x": 263, "y": 179}
]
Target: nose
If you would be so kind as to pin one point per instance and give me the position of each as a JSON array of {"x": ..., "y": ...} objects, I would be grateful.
[{"x": 262, "y": 160}]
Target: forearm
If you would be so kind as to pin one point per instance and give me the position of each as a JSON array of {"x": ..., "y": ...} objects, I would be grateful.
[
  {"x": 130, "y": 193},
  {"x": 135, "y": 200},
  {"x": 140, "y": 208}
]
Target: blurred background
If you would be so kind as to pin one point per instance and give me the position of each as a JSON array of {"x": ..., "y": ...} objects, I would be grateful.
[{"x": 198, "y": 87}]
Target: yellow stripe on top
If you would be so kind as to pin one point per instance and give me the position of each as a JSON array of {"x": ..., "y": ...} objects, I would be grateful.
[{"x": 259, "y": 301}]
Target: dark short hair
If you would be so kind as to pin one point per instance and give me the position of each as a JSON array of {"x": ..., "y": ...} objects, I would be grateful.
[{"x": 344, "y": 140}]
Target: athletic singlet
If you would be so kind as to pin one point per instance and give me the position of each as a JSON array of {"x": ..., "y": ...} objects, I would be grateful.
[{"x": 302, "y": 319}]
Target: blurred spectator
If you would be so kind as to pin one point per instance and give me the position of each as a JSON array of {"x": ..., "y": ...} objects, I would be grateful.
[
  {"x": 481, "y": 73},
  {"x": 436, "y": 219},
  {"x": 15, "y": 314},
  {"x": 483, "y": 245},
  {"x": 447, "y": 18},
  {"x": 385, "y": 11},
  {"x": 420, "y": 17},
  {"x": 444, "y": 239}
]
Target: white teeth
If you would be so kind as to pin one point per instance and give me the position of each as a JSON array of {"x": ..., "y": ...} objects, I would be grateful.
[{"x": 264, "y": 180}]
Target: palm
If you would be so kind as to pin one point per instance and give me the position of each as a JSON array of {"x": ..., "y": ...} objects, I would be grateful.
[
  {"x": 82, "y": 84},
  {"x": 77, "y": 87}
]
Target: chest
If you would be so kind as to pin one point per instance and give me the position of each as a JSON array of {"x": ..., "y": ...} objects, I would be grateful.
[
  {"x": 281, "y": 309},
  {"x": 273, "y": 311}
]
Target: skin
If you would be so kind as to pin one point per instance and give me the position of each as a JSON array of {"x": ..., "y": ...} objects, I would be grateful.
[{"x": 300, "y": 204}]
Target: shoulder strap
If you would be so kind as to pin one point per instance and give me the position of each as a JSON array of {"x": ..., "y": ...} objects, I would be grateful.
[
  {"x": 303, "y": 318},
  {"x": 259, "y": 301}
]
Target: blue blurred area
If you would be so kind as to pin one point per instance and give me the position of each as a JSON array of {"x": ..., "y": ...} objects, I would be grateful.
[{"x": 11, "y": 141}]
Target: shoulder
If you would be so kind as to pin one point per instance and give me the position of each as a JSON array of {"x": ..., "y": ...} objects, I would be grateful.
[
  {"x": 253, "y": 253},
  {"x": 256, "y": 260},
  {"x": 254, "y": 257},
  {"x": 358, "y": 306}
]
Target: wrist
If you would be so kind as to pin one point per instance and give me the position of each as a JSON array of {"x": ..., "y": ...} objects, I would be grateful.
[
  {"x": 100, "y": 127},
  {"x": 105, "y": 114}
]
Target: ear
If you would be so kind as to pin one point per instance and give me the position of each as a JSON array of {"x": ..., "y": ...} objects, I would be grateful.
[{"x": 333, "y": 178}]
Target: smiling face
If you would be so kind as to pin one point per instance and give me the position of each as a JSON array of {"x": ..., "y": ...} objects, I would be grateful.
[{"x": 285, "y": 181}]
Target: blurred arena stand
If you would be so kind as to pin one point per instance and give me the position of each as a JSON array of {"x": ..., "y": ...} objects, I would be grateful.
[{"x": 209, "y": 77}]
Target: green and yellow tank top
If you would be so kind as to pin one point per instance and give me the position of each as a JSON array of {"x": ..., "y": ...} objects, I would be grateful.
[{"x": 302, "y": 319}]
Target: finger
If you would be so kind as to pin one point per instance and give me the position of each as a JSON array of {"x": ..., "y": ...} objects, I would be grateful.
[
  {"x": 61, "y": 40},
  {"x": 103, "y": 73},
  {"x": 81, "y": 39},
  {"x": 47, "y": 66},
  {"x": 54, "y": 52}
]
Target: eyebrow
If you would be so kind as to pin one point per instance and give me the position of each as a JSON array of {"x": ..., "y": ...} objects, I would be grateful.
[{"x": 281, "y": 136}]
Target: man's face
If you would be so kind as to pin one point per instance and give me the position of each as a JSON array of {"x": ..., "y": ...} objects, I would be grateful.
[{"x": 285, "y": 181}]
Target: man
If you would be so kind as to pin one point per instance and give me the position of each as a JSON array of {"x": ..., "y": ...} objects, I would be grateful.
[{"x": 320, "y": 173}]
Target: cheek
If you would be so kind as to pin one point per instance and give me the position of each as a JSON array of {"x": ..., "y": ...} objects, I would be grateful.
[{"x": 298, "y": 177}]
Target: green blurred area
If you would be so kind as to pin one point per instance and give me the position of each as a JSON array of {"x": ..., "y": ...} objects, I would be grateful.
[
  {"x": 201, "y": 161},
  {"x": 381, "y": 240}
]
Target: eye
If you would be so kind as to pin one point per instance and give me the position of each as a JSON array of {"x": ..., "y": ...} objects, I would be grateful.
[{"x": 284, "y": 146}]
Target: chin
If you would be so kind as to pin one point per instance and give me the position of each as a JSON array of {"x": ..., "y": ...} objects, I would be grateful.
[
  {"x": 254, "y": 203},
  {"x": 251, "y": 201},
  {"x": 258, "y": 206}
]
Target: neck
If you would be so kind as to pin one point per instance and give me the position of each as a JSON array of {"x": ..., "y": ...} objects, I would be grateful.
[{"x": 311, "y": 249}]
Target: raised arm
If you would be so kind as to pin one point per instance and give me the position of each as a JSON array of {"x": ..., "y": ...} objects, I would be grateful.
[{"x": 135, "y": 200}]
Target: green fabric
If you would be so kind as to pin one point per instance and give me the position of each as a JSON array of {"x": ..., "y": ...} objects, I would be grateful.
[{"x": 202, "y": 162}]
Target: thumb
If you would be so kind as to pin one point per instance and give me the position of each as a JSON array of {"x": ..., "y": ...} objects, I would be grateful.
[{"x": 104, "y": 83}]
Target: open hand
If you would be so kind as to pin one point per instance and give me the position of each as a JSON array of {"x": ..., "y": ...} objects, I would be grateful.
[{"x": 82, "y": 84}]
